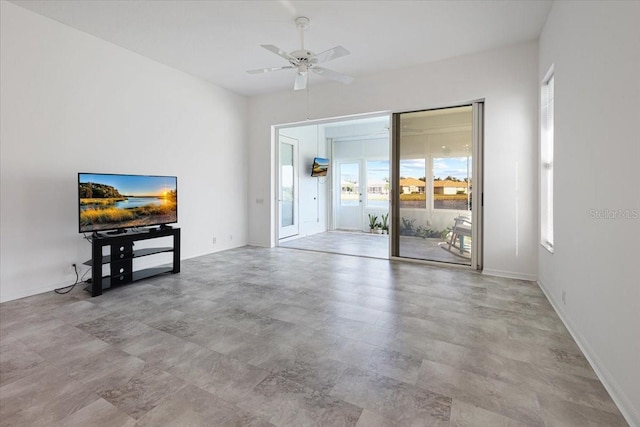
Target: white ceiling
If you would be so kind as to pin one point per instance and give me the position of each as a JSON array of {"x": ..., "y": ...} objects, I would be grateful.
[{"x": 219, "y": 40}]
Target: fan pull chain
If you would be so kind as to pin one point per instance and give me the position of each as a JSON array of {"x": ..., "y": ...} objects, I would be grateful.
[{"x": 307, "y": 100}]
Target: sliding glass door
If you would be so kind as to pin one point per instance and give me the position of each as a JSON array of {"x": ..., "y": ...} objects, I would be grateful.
[{"x": 437, "y": 184}]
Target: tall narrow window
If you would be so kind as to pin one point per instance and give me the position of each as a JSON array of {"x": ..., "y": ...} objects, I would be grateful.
[
  {"x": 546, "y": 162},
  {"x": 378, "y": 184}
]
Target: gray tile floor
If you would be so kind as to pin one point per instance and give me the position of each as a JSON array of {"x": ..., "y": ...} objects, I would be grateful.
[
  {"x": 254, "y": 336},
  {"x": 373, "y": 245},
  {"x": 342, "y": 242}
]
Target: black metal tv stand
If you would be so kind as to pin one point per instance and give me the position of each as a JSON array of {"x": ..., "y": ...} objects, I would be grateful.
[{"x": 122, "y": 254}]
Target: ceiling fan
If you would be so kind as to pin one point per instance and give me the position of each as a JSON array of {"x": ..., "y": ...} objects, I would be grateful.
[{"x": 304, "y": 60}]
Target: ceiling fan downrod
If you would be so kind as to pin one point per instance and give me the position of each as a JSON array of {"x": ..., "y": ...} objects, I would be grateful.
[{"x": 302, "y": 23}]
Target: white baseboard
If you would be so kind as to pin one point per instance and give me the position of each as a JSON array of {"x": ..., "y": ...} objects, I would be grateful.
[
  {"x": 23, "y": 293},
  {"x": 258, "y": 245},
  {"x": 212, "y": 251},
  {"x": 624, "y": 404},
  {"x": 510, "y": 274}
]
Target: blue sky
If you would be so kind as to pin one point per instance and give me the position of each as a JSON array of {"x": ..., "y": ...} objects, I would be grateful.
[
  {"x": 451, "y": 166},
  {"x": 378, "y": 169},
  {"x": 442, "y": 167},
  {"x": 133, "y": 185},
  {"x": 414, "y": 168}
]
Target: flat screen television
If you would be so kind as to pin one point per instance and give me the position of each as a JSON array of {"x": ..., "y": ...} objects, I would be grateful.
[
  {"x": 320, "y": 167},
  {"x": 117, "y": 202}
]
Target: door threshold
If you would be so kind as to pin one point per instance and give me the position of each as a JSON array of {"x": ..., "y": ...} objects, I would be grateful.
[{"x": 442, "y": 264}]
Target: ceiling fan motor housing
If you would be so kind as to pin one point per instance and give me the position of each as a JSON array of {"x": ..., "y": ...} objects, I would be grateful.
[{"x": 304, "y": 56}]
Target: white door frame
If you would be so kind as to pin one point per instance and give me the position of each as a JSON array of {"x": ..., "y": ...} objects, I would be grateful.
[{"x": 274, "y": 212}]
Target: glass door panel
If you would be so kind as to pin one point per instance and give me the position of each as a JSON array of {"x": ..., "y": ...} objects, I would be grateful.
[
  {"x": 288, "y": 187},
  {"x": 378, "y": 184},
  {"x": 434, "y": 185},
  {"x": 349, "y": 203}
]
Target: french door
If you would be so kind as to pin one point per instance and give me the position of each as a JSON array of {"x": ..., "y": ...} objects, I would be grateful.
[{"x": 288, "y": 187}]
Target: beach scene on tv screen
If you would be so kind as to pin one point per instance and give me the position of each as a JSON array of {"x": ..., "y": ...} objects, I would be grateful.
[
  {"x": 320, "y": 167},
  {"x": 109, "y": 202}
]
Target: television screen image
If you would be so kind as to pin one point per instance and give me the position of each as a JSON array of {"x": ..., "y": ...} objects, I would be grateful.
[
  {"x": 320, "y": 167},
  {"x": 113, "y": 202}
]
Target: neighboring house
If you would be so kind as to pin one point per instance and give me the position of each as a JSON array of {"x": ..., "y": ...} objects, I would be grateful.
[
  {"x": 349, "y": 187},
  {"x": 450, "y": 187},
  {"x": 375, "y": 186},
  {"x": 412, "y": 185}
]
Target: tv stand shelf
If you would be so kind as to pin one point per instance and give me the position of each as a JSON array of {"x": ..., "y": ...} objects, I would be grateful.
[{"x": 122, "y": 254}]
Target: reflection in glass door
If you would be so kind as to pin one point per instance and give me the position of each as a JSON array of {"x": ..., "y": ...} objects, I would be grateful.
[
  {"x": 349, "y": 201},
  {"x": 435, "y": 186},
  {"x": 288, "y": 206}
]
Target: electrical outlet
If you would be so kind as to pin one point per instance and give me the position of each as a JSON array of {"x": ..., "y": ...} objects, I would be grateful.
[
  {"x": 564, "y": 297},
  {"x": 213, "y": 241}
]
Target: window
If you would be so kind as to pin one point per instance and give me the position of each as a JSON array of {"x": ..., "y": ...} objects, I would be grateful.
[
  {"x": 413, "y": 183},
  {"x": 546, "y": 162},
  {"x": 350, "y": 184},
  {"x": 378, "y": 184},
  {"x": 452, "y": 183}
]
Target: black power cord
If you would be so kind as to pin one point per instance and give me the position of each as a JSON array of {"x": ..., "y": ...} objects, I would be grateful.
[{"x": 70, "y": 287}]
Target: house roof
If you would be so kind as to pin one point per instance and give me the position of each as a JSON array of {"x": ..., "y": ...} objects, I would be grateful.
[
  {"x": 449, "y": 183},
  {"x": 409, "y": 182},
  {"x": 376, "y": 183}
]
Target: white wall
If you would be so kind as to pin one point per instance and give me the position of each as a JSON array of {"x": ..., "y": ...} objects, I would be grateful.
[
  {"x": 506, "y": 78},
  {"x": 596, "y": 50},
  {"x": 73, "y": 103},
  {"x": 312, "y": 191}
]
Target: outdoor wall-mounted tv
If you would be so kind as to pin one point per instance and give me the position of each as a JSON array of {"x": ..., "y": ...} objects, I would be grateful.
[
  {"x": 320, "y": 167},
  {"x": 116, "y": 202}
]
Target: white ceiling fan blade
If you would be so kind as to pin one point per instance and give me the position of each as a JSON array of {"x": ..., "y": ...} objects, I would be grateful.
[
  {"x": 331, "y": 54},
  {"x": 268, "y": 70},
  {"x": 301, "y": 81},
  {"x": 279, "y": 52},
  {"x": 333, "y": 75}
]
